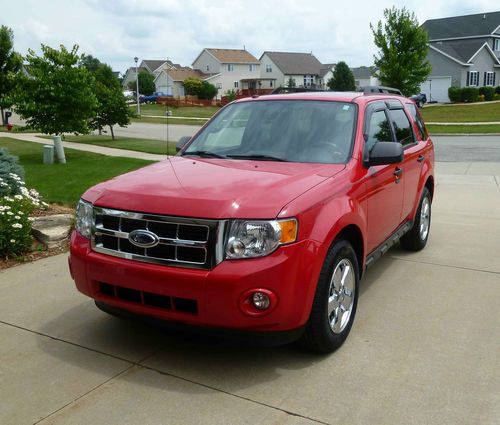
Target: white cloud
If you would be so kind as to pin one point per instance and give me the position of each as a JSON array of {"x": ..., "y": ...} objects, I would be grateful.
[{"x": 116, "y": 31}]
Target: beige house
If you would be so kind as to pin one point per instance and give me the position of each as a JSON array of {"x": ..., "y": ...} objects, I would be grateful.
[{"x": 171, "y": 81}]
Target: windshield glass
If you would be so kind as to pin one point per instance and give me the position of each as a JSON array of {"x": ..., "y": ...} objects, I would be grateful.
[{"x": 280, "y": 130}]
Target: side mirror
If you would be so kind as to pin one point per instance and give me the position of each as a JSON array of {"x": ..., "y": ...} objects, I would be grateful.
[
  {"x": 182, "y": 142},
  {"x": 384, "y": 153}
]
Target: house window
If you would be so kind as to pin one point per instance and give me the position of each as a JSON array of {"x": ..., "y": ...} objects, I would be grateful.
[
  {"x": 219, "y": 85},
  {"x": 230, "y": 67},
  {"x": 489, "y": 78},
  {"x": 236, "y": 84},
  {"x": 270, "y": 83},
  {"x": 251, "y": 67},
  {"x": 269, "y": 68},
  {"x": 308, "y": 80},
  {"x": 473, "y": 78},
  {"x": 208, "y": 67},
  {"x": 496, "y": 45}
]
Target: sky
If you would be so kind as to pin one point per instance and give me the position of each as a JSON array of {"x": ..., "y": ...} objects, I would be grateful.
[{"x": 116, "y": 31}]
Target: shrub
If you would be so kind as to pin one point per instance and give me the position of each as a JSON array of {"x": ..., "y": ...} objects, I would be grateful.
[
  {"x": 497, "y": 89},
  {"x": 470, "y": 94},
  {"x": 9, "y": 167},
  {"x": 15, "y": 223},
  {"x": 481, "y": 98},
  {"x": 231, "y": 95},
  {"x": 497, "y": 96},
  {"x": 455, "y": 94},
  {"x": 487, "y": 92},
  {"x": 207, "y": 91}
]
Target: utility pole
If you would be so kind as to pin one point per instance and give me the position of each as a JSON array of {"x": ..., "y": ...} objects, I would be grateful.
[{"x": 136, "y": 59}]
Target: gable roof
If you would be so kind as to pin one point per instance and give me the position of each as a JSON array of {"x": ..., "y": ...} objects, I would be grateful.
[
  {"x": 232, "y": 56},
  {"x": 327, "y": 67},
  {"x": 462, "y": 26},
  {"x": 291, "y": 63},
  {"x": 182, "y": 74},
  {"x": 153, "y": 64},
  {"x": 463, "y": 51},
  {"x": 362, "y": 72}
]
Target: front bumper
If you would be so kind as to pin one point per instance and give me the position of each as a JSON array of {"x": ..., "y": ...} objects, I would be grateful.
[{"x": 290, "y": 273}]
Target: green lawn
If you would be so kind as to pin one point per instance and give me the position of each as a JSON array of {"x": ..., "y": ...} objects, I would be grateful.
[
  {"x": 483, "y": 112},
  {"x": 140, "y": 145},
  {"x": 463, "y": 129},
  {"x": 182, "y": 111},
  {"x": 163, "y": 121},
  {"x": 64, "y": 183}
]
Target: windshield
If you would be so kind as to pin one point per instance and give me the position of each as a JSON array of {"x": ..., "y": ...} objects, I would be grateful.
[{"x": 280, "y": 130}]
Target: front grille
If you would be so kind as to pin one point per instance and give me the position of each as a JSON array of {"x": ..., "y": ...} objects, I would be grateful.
[
  {"x": 184, "y": 242},
  {"x": 163, "y": 302}
]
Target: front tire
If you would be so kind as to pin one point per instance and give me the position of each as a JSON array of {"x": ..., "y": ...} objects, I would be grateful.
[
  {"x": 335, "y": 300},
  {"x": 416, "y": 238}
]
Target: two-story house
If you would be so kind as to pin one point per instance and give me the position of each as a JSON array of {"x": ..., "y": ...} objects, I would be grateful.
[
  {"x": 463, "y": 51},
  {"x": 299, "y": 69},
  {"x": 154, "y": 67},
  {"x": 228, "y": 69}
]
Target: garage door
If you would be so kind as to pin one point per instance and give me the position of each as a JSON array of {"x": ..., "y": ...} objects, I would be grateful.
[
  {"x": 436, "y": 89},
  {"x": 165, "y": 89}
]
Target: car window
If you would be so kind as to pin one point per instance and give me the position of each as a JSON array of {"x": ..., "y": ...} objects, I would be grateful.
[
  {"x": 418, "y": 120},
  {"x": 402, "y": 127},
  {"x": 379, "y": 129},
  {"x": 292, "y": 130}
]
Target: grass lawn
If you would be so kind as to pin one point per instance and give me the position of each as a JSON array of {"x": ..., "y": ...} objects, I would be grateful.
[
  {"x": 163, "y": 121},
  {"x": 140, "y": 145},
  {"x": 182, "y": 111},
  {"x": 64, "y": 183},
  {"x": 463, "y": 129},
  {"x": 483, "y": 112}
]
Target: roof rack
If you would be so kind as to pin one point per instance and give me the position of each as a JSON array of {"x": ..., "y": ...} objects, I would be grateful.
[
  {"x": 380, "y": 89},
  {"x": 282, "y": 90}
]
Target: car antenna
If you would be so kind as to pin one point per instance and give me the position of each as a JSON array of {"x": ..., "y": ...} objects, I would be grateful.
[{"x": 167, "y": 112}]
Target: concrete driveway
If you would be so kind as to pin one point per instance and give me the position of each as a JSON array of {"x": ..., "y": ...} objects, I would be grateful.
[{"x": 424, "y": 349}]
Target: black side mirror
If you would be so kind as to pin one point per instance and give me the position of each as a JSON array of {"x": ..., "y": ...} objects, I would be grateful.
[
  {"x": 384, "y": 153},
  {"x": 182, "y": 142}
]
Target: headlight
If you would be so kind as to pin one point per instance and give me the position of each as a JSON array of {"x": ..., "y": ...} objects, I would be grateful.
[
  {"x": 84, "y": 218},
  {"x": 247, "y": 239}
]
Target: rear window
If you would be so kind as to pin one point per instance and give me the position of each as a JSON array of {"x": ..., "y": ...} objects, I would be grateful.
[
  {"x": 402, "y": 127},
  {"x": 291, "y": 130}
]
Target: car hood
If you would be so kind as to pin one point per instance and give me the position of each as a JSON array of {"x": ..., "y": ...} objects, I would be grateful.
[{"x": 211, "y": 188}]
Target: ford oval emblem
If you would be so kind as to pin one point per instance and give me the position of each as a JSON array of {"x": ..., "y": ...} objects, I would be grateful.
[{"x": 143, "y": 238}]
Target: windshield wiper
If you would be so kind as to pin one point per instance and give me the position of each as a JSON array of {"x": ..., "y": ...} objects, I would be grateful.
[
  {"x": 204, "y": 154},
  {"x": 258, "y": 157}
]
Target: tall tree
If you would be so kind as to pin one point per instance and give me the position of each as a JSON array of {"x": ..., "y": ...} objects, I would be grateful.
[
  {"x": 10, "y": 64},
  {"x": 89, "y": 62},
  {"x": 146, "y": 83},
  {"x": 112, "y": 108},
  {"x": 403, "y": 45},
  {"x": 342, "y": 79},
  {"x": 58, "y": 96}
]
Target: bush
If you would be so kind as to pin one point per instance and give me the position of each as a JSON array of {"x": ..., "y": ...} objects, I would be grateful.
[
  {"x": 231, "y": 95},
  {"x": 15, "y": 222},
  {"x": 487, "y": 92},
  {"x": 207, "y": 91},
  {"x": 455, "y": 94},
  {"x": 9, "y": 167},
  {"x": 497, "y": 96},
  {"x": 469, "y": 94},
  {"x": 481, "y": 98}
]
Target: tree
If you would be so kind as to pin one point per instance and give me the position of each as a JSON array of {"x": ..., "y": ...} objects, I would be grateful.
[
  {"x": 111, "y": 105},
  {"x": 146, "y": 83},
  {"x": 403, "y": 46},
  {"x": 192, "y": 86},
  {"x": 342, "y": 79},
  {"x": 57, "y": 97},
  {"x": 10, "y": 64},
  {"x": 89, "y": 62},
  {"x": 207, "y": 91},
  {"x": 291, "y": 82}
]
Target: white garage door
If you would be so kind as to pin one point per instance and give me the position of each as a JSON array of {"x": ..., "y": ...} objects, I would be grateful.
[{"x": 436, "y": 89}]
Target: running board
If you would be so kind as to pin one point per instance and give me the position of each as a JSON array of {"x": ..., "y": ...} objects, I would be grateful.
[{"x": 388, "y": 243}]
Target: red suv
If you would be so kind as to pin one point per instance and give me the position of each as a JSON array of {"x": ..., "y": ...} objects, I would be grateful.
[{"x": 265, "y": 220}]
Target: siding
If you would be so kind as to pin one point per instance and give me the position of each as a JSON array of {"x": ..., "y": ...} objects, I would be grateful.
[{"x": 444, "y": 67}]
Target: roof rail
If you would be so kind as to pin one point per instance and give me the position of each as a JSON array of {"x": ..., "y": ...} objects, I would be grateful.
[{"x": 380, "y": 89}]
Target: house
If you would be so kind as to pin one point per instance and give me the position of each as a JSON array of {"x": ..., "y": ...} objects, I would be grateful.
[
  {"x": 304, "y": 69},
  {"x": 229, "y": 69},
  {"x": 363, "y": 76},
  {"x": 170, "y": 81},
  {"x": 326, "y": 73},
  {"x": 463, "y": 51},
  {"x": 147, "y": 65}
]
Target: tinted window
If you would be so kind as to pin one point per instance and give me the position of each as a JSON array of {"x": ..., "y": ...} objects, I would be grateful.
[
  {"x": 418, "y": 120},
  {"x": 379, "y": 129},
  {"x": 293, "y": 130},
  {"x": 402, "y": 127}
]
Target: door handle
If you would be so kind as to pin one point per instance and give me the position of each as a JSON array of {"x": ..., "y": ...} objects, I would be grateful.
[
  {"x": 397, "y": 172},
  {"x": 420, "y": 158}
]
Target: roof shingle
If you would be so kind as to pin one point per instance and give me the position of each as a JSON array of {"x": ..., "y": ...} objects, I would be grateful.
[
  {"x": 233, "y": 56},
  {"x": 462, "y": 26},
  {"x": 291, "y": 63}
]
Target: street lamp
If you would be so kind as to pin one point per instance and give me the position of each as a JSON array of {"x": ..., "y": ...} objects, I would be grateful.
[{"x": 136, "y": 59}]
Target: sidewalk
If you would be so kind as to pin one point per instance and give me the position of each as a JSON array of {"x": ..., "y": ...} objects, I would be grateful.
[{"x": 32, "y": 137}]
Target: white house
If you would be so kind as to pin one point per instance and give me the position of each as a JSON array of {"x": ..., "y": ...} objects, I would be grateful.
[
  {"x": 148, "y": 65},
  {"x": 363, "y": 76},
  {"x": 304, "y": 69},
  {"x": 228, "y": 69},
  {"x": 170, "y": 81}
]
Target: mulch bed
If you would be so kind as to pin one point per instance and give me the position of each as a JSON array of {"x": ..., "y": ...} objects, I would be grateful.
[{"x": 38, "y": 250}]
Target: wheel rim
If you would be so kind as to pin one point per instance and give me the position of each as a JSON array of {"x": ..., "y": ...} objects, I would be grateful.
[
  {"x": 341, "y": 296},
  {"x": 425, "y": 218}
]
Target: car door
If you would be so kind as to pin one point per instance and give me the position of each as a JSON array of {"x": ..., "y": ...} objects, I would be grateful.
[{"x": 384, "y": 183}]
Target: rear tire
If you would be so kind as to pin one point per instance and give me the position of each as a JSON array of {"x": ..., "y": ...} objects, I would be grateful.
[
  {"x": 416, "y": 238},
  {"x": 335, "y": 300}
]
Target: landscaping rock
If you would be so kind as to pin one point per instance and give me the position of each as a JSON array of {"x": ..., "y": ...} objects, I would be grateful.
[{"x": 52, "y": 230}]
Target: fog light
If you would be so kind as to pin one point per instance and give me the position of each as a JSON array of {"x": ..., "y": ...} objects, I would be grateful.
[{"x": 261, "y": 301}]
